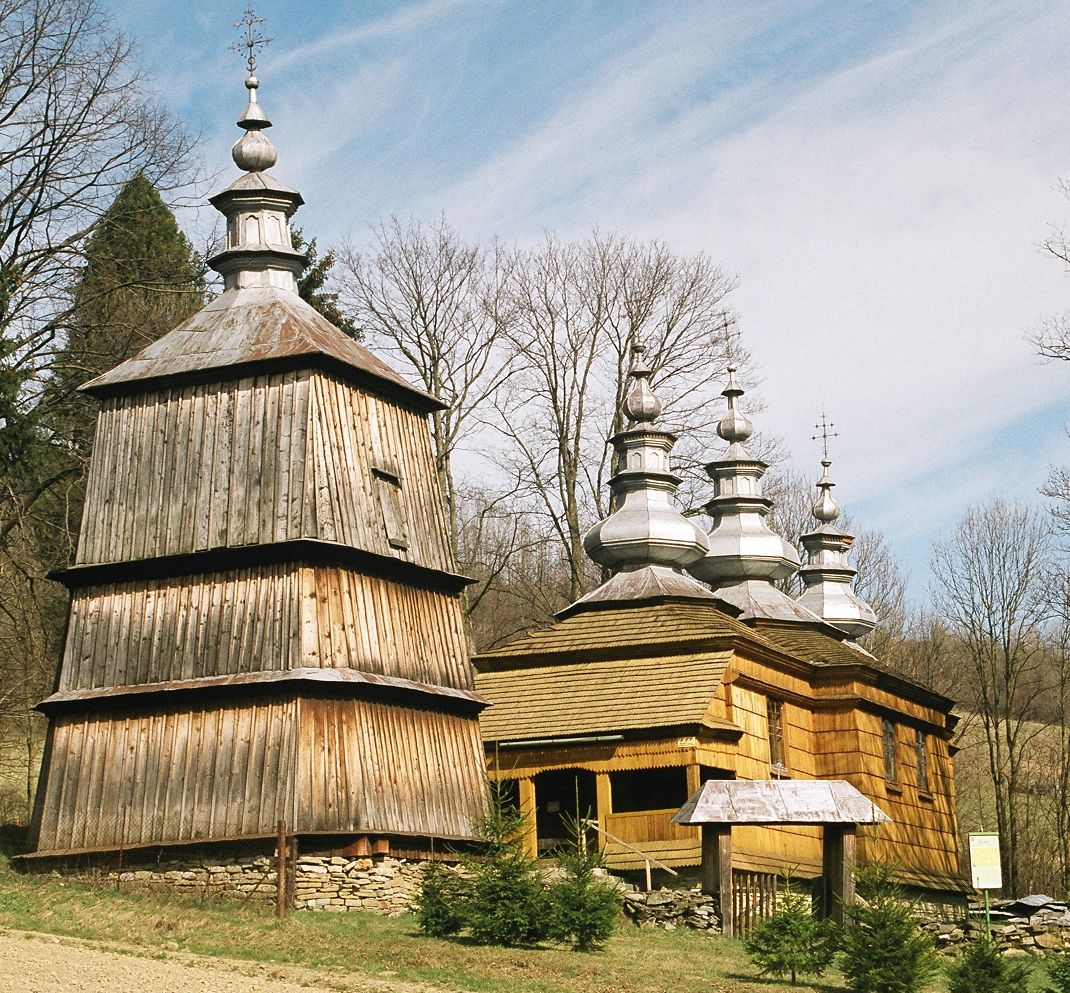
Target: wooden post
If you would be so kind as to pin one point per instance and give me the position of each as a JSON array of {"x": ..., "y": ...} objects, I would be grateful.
[
  {"x": 838, "y": 858},
  {"x": 280, "y": 871},
  {"x": 717, "y": 870},
  {"x": 527, "y": 809}
]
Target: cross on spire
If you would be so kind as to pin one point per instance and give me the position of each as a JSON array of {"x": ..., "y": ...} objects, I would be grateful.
[
  {"x": 825, "y": 433},
  {"x": 253, "y": 39}
]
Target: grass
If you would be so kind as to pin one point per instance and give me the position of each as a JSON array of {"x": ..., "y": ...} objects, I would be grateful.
[{"x": 650, "y": 961}]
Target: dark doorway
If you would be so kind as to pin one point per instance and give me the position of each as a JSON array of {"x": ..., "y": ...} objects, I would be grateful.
[{"x": 562, "y": 796}]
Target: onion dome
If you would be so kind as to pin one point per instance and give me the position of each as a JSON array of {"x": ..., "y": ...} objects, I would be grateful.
[
  {"x": 645, "y": 529},
  {"x": 259, "y": 249},
  {"x": 746, "y": 557},
  {"x": 827, "y": 574}
]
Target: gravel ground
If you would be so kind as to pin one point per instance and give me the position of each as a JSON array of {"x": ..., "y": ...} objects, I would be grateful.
[{"x": 44, "y": 963}]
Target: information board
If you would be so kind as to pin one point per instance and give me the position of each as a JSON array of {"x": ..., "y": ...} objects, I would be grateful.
[{"x": 984, "y": 860}]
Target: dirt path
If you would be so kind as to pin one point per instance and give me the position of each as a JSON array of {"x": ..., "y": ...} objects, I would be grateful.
[{"x": 45, "y": 963}]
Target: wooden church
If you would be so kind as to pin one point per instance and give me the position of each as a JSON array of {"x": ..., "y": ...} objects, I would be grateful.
[
  {"x": 655, "y": 683},
  {"x": 265, "y": 620}
]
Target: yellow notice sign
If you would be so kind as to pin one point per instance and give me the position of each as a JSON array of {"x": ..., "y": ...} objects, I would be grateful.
[{"x": 984, "y": 860}]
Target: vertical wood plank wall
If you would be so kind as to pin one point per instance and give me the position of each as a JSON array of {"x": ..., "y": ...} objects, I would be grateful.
[
  {"x": 262, "y": 619},
  {"x": 253, "y": 461},
  {"x": 169, "y": 774}
]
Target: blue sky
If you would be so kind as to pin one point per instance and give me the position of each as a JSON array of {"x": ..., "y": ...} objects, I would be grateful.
[{"x": 879, "y": 175}]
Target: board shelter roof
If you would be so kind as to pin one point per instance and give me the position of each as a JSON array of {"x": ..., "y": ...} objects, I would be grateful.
[
  {"x": 779, "y": 801},
  {"x": 610, "y": 695},
  {"x": 248, "y": 329}
]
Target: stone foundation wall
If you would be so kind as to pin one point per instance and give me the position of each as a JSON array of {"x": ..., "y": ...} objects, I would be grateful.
[
  {"x": 384, "y": 884},
  {"x": 332, "y": 883}
]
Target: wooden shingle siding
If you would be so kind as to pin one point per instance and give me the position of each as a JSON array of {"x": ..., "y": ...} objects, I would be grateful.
[
  {"x": 263, "y": 619},
  {"x": 170, "y": 775},
  {"x": 258, "y": 460}
]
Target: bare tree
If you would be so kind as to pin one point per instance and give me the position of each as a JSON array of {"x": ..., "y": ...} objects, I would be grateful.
[
  {"x": 1057, "y": 771},
  {"x": 438, "y": 304},
  {"x": 576, "y": 307},
  {"x": 988, "y": 584},
  {"x": 76, "y": 123}
]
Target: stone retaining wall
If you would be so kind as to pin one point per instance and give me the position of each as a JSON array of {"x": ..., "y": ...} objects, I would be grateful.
[
  {"x": 671, "y": 908},
  {"x": 1016, "y": 938}
]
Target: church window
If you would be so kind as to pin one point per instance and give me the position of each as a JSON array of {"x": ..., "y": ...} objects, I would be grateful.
[
  {"x": 774, "y": 711},
  {"x": 923, "y": 761},
  {"x": 891, "y": 765},
  {"x": 392, "y": 506}
]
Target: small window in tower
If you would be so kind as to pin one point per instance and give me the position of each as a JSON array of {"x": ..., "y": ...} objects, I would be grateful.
[
  {"x": 395, "y": 520},
  {"x": 923, "y": 761},
  {"x": 891, "y": 765},
  {"x": 774, "y": 711}
]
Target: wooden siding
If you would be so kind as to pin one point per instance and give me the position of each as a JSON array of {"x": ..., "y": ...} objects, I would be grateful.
[
  {"x": 832, "y": 729},
  {"x": 375, "y": 767},
  {"x": 352, "y": 434},
  {"x": 169, "y": 775},
  {"x": 258, "y": 460},
  {"x": 262, "y": 619}
]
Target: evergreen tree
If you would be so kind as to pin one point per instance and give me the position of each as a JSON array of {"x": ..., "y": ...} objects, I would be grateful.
[
  {"x": 1058, "y": 973},
  {"x": 882, "y": 948},
  {"x": 792, "y": 942},
  {"x": 981, "y": 969},
  {"x": 507, "y": 901},
  {"x": 140, "y": 278},
  {"x": 441, "y": 902},
  {"x": 313, "y": 280},
  {"x": 584, "y": 908}
]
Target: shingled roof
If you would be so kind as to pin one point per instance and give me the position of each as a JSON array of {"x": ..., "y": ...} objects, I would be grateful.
[
  {"x": 598, "y": 697},
  {"x": 625, "y": 626}
]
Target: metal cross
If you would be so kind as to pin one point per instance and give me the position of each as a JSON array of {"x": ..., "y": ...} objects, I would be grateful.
[
  {"x": 253, "y": 39},
  {"x": 825, "y": 434}
]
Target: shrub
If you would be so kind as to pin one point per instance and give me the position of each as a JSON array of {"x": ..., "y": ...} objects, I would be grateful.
[
  {"x": 584, "y": 909},
  {"x": 1058, "y": 973},
  {"x": 440, "y": 903},
  {"x": 981, "y": 969},
  {"x": 792, "y": 942},
  {"x": 882, "y": 949}
]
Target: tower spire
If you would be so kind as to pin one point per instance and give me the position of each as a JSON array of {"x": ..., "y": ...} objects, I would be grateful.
[
  {"x": 827, "y": 574},
  {"x": 746, "y": 556},
  {"x": 646, "y": 540},
  {"x": 259, "y": 250}
]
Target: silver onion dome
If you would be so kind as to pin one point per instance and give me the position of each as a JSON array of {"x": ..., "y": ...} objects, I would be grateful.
[
  {"x": 743, "y": 548},
  {"x": 827, "y": 575},
  {"x": 253, "y": 151},
  {"x": 645, "y": 529}
]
